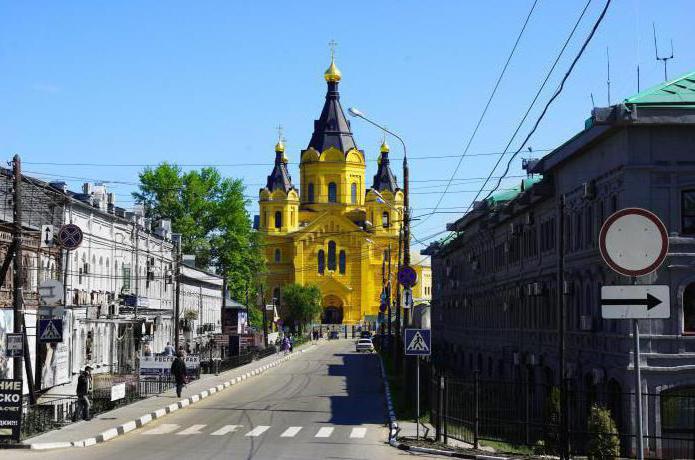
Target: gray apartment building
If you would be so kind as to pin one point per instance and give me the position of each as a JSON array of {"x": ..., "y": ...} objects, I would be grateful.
[{"x": 496, "y": 299}]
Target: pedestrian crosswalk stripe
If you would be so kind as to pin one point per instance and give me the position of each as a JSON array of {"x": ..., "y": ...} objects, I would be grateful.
[
  {"x": 194, "y": 429},
  {"x": 358, "y": 432},
  {"x": 291, "y": 432},
  {"x": 259, "y": 430},
  {"x": 225, "y": 429},
  {"x": 164, "y": 428},
  {"x": 324, "y": 432}
]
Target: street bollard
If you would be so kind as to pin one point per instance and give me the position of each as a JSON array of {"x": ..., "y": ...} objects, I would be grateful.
[{"x": 440, "y": 408}]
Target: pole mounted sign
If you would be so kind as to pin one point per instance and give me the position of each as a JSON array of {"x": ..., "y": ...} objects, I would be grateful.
[
  {"x": 70, "y": 236},
  {"x": 639, "y": 301},
  {"x": 407, "y": 276},
  {"x": 10, "y": 409},
  {"x": 418, "y": 342},
  {"x": 633, "y": 242}
]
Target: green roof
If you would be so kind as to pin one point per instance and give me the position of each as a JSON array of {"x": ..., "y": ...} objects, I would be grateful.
[
  {"x": 505, "y": 195},
  {"x": 680, "y": 91},
  {"x": 530, "y": 182}
]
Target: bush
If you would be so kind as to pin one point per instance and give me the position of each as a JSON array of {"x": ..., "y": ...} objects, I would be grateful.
[
  {"x": 603, "y": 434},
  {"x": 550, "y": 445}
]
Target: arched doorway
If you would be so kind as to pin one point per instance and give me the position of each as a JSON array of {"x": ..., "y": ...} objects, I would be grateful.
[{"x": 332, "y": 310}]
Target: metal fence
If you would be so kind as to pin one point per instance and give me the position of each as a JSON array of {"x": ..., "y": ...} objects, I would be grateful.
[{"x": 528, "y": 414}]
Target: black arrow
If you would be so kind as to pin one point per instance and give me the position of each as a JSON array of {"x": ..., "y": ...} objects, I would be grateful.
[
  {"x": 48, "y": 234},
  {"x": 650, "y": 301}
]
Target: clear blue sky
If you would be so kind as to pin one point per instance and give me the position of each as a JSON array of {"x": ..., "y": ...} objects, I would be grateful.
[{"x": 207, "y": 82}]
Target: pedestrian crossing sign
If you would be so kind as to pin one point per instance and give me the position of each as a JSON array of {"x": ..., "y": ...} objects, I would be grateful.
[
  {"x": 418, "y": 342},
  {"x": 50, "y": 330}
]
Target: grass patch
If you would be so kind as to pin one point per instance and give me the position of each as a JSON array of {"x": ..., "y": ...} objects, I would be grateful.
[
  {"x": 501, "y": 446},
  {"x": 402, "y": 396}
]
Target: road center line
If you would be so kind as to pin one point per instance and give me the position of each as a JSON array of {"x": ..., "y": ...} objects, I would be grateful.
[
  {"x": 291, "y": 432},
  {"x": 259, "y": 430}
]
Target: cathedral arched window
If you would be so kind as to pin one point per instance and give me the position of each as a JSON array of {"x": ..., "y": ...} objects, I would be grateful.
[
  {"x": 385, "y": 219},
  {"x": 310, "y": 193},
  {"x": 322, "y": 261},
  {"x": 331, "y": 255},
  {"x": 353, "y": 193},
  {"x": 277, "y": 256},
  {"x": 332, "y": 193},
  {"x": 278, "y": 219},
  {"x": 342, "y": 262}
]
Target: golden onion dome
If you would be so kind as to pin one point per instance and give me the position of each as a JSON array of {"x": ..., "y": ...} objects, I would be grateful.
[
  {"x": 332, "y": 74},
  {"x": 384, "y": 147},
  {"x": 280, "y": 147}
]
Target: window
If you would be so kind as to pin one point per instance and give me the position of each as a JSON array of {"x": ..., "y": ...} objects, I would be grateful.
[
  {"x": 331, "y": 255},
  {"x": 277, "y": 256},
  {"x": 385, "y": 219},
  {"x": 278, "y": 219},
  {"x": 310, "y": 193},
  {"x": 341, "y": 262},
  {"x": 126, "y": 279},
  {"x": 353, "y": 193},
  {"x": 689, "y": 309},
  {"x": 332, "y": 193},
  {"x": 688, "y": 212},
  {"x": 322, "y": 261}
]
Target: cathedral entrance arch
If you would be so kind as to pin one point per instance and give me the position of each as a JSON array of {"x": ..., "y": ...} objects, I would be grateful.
[{"x": 332, "y": 310}]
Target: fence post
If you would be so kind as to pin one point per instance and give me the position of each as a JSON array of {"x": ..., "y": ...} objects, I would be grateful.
[
  {"x": 527, "y": 412},
  {"x": 445, "y": 416},
  {"x": 440, "y": 406},
  {"x": 476, "y": 425}
]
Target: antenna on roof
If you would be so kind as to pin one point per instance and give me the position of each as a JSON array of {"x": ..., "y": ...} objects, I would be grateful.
[
  {"x": 608, "y": 75},
  {"x": 593, "y": 104},
  {"x": 638, "y": 78},
  {"x": 662, "y": 58}
]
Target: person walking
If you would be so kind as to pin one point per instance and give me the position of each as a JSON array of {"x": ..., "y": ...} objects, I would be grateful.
[
  {"x": 178, "y": 370},
  {"x": 169, "y": 350},
  {"x": 291, "y": 343},
  {"x": 84, "y": 389}
]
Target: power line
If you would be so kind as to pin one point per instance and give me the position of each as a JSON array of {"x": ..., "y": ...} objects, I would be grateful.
[{"x": 487, "y": 105}]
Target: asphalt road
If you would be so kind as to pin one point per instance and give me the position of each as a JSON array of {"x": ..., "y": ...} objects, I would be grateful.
[{"x": 326, "y": 404}]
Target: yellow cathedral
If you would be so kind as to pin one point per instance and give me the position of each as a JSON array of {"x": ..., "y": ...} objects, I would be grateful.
[{"x": 335, "y": 230}]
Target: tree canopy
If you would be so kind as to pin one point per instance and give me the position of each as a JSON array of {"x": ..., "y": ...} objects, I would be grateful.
[
  {"x": 303, "y": 303},
  {"x": 209, "y": 211}
]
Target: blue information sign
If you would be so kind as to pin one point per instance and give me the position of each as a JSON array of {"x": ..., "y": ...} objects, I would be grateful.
[
  {"x": 418, "y": 342},
  {"x": 50, "y": 330}
]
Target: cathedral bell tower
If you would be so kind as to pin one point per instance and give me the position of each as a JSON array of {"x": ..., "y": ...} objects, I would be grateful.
[{"x": 279, "y": 200}]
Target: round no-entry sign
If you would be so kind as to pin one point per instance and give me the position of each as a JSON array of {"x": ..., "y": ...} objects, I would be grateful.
[{"x": 633, "y": 242}]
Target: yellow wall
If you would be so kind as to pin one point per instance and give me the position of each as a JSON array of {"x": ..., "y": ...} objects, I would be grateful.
[
  {"x": 423, "y": 289},
  {"x": 319, "y": 222}
]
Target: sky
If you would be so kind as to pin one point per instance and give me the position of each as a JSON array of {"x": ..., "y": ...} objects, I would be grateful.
[{"x": 95, "y": 91}]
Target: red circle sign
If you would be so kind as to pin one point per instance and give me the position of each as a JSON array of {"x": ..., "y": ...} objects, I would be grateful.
[{"x": 633, "y": 242}]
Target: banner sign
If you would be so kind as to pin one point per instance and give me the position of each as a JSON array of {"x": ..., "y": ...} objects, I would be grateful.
[
  {"x": 15, "y": 346},
  {"x": 10, "y": 409},
  {"x": 159, "y": 367},
  {"x": 118, "y": 391}
]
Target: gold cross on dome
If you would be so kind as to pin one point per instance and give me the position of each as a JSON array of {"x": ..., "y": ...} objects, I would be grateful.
[
  {"x": 332, "y": 45},
  {"x": 280, "y": 132}
]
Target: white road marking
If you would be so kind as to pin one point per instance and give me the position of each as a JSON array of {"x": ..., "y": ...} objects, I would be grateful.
[
  {"x": 225, "y": 429},
  {"x": 291, "y": 432},
  {"x": 259, "y": 430},
  {"x": 193, "y": 429},
  {"x": 358, "y": 432},
  {"x": 164, "y": 428},
  {"x": 324, "y": 432}
]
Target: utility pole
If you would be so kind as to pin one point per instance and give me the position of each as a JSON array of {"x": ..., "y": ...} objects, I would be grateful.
[
  {"x": 382, "y": 312},
  {"x": 562, "y": 302},
  {"x": 388, "y": 298},
  {"x": 398, "y": 303},
  {"x": 265, "y": 320},
  {"x": 177, "y": 301},
  {"x": 17, "y": 260},
  {"x": 406, "y": 228}
]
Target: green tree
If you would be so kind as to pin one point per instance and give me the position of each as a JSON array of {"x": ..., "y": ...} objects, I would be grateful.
[
  {"x": 303, "y": 303},
  {"x": 209, "y": 211},
  {"x": 604, "y": 442},
  {"x": 550, "y": 444}
]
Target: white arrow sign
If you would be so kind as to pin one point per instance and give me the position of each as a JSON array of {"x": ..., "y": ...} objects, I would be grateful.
[{"x": 639, "y": 301}]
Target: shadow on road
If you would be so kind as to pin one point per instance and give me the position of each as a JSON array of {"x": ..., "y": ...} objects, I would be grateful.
[{"x": 364, "y": 400}]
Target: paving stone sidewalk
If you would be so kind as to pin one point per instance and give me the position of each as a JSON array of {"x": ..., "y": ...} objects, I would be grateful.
[{"x": 124, "y": 419}]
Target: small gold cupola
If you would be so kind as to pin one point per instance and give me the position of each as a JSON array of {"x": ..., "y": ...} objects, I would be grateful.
[{"x": 332, "y": 73}]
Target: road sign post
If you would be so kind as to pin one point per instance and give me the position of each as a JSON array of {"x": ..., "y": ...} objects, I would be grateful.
[
  {"x": 418, "y": 342},
  {"x": 634, "y": 242}
]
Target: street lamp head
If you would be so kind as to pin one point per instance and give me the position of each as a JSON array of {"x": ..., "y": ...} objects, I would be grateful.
[{"x": 355, "y": 112}]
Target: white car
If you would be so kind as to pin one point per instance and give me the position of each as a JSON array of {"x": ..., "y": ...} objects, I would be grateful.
[{"x": 364, "y": 345}]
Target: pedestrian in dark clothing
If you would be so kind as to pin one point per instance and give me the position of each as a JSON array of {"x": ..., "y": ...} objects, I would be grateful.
[
  {"x": 84, "y": 388},
  {"x": 178, "y": 370}
]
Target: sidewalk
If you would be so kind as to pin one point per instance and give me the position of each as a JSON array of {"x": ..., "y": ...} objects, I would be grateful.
[{"x": 117, "y": 422}]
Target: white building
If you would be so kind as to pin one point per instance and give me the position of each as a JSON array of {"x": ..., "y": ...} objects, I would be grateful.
[{"x": 201, "y": 298}]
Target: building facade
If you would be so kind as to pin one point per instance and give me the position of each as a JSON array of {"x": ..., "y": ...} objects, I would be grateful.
[
  {"x": 336, "y": 230},
  {"x": 496, "y": 297},
  {"x": 200, "y": 305}
]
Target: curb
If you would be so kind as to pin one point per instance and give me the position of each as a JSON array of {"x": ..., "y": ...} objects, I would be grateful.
[
  {"x": 393, "y": 430},
  {"x": 159, "y": 413}
]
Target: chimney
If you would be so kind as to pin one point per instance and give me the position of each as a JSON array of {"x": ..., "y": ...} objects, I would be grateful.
[
  {"x": 87, "y": 188},
  {"x": 60, "y": 186}
]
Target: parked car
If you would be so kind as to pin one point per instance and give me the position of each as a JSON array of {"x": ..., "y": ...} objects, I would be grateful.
[
  {"x": 365, "y": 335},
  {"x": 364, "y": 345},
  {"x": 333, "y": 335}
]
